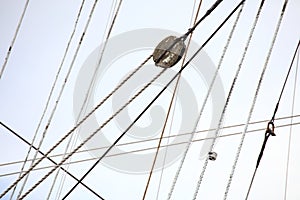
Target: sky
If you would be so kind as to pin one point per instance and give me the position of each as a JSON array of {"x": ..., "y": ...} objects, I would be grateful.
[{"x": 140, "y": 25}]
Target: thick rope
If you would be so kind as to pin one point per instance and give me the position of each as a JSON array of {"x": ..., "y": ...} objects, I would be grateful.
[
  {"x": 75, "y": 127},
  {"x": 204, "y": 103},
  {"x": 254, "y": 101},
  {"x": 228, "y": 98},
  {"x": 92, "y": 135},
  {"x": 14, "y": 38}
]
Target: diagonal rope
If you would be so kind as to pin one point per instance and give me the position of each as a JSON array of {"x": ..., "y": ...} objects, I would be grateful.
[
  {"x": 50, "y": 159},
  {"x": 14, "y": 38},
  {"x": 75, "y": 127},
  {"x": 50, "y": 96},
  {"x": 92, "y": 135},
  {"x": 270, "y": 127},
  {"x": 157, "y": 96},
  {"x": 204, "y": 103},
  {"x": 170, "y": 107},
  {"x": 228, "y": 98},
  {"x": 291, "y": 128},
  {"x": 254, "y": 100},
  {"x": 72, "y": 139}
]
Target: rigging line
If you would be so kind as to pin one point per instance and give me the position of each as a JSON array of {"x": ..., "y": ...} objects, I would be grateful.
[
  {"x": 228, "y": 97},
  {"x": 156, "y": 97},
  {"x": 172, "y": 99},
  {"x": 76, "y": 126},
  {"x": 153, "y": 139},
  {"x": 270, "y": 130},
  {"x": 204, "y": 102},
  {"x": 153, "y": 148},
  {"x": 50, "y": 159},
  {"x": 51, "y": 93},
  {"x": 254, "y": 99},
  {"x": 168, "y": 137},
  {"x": 170, "y": 107},
  {"x": 92, "y": 83},
  {"x": 92, "y": 135},
  {"x": 14, "y": 38},
  {"x": 290, "y": 133}
]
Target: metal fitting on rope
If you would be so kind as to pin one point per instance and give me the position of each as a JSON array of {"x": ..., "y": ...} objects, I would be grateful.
[
  {"x": 212, "y": 155},
  {"x": 270, "y": 128}
]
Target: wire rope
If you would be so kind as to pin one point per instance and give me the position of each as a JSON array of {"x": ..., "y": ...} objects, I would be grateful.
[
  {"x": 204, "y": 102},
  {"x": 254, "y": 99},
  {"x": 270, "y": 127},
  {"x": 290, "y": 132},
  {"x": 14, "y": 38},
  {"x": 228, "y": 98}
]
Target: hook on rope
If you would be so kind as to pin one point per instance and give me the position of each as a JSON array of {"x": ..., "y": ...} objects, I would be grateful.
[{"x": 270, "y": 129}]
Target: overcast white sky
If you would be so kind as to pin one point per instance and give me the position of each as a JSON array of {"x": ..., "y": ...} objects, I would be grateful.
[{"x": 38, "y": 51}]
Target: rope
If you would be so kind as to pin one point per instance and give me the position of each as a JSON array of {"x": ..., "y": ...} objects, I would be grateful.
[
  {"x": 290, "y": 133},
  {"x": 75, "y": 127},
  {"x": 254, "y": 100},
  {"x": 50, "y": 159},
  {"x": 144, "y": 149},
  {"x": 92, "y": 135},
  {"x": 156, "y": 97},
  {"x": 49, "y": 97},
  {"x": 228, "y": 97},
  {"x": 270, "y": 131},
  {"x": 204, "y": 103},
  {"x": 14, "y": 38},
  {"x": 170, "y": 107},
  {"x": 88, "y": 92}
]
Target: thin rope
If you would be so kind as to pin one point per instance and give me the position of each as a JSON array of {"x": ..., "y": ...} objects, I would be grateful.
[
  {"x": 14, "y": 38},
  {"x": 49, "y": 158},
  {"x": 254, "y": 100},
  {"x": 228, "y": 98},
  {"x": 92, "y": 135},
  {"x": 76, "y": 126},
  {"x": 291, "y": 128},
  {"x": 271, "y": 123},
  {"x": 204, "y": 103},
  {"x": 154, "y": 139},
  {"x": 89, "y": 88},
  {"x": 150, "y": 148},
  {"x": 156, "y": 97},
  {"x": 170, "y": 108},
  {"x": 50, "y": 96}
]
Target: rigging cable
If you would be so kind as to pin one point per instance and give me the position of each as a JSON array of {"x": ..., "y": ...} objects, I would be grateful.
[
  {"x": 141, "y": 150},
  {"x": 228, "y": 97},
  {"x": 14, "y": 38},
  {"x": 270, "y": 128},
  {"x": 48, "y": 100},
  {"x": 156, "y": 97},
  {"x": 169, "y": 108},
  {"x": 254, "y": 99},
  {"x": 290, "y": 133},
  {"x": 87, "y": 95},
  {"x": 204, "y": 102},
  {"x": 50, "y": 159}
]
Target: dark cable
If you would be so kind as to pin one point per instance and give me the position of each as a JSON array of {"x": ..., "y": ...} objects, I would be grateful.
[
  {"x": 271, "y": 126},
  {"x": 35, "y": 148},
  {"x": 155, "y": 98}
]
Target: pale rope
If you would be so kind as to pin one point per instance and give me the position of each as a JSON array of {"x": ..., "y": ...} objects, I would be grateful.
[
  {"x": 228, "y": 99},
  {"x": 290, "y": 133},
  {"x": 14, "y": 39},
  {"x": 49, "y": 98},
  {"x": 93, "y": 134},
  {"x": 204, "y": 103},
  {"x": 254, "y": 100},
  {"x": 153, "y": 148},
  {"x": 72, "y": 139},
  {"x": 75, "y": 127}
]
